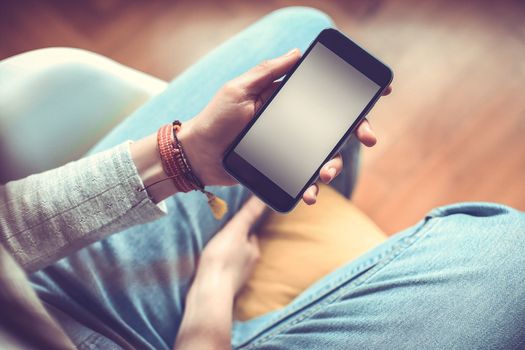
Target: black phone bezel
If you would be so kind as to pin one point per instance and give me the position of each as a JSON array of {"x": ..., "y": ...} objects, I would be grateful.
[{"x": 258, "y": 183}]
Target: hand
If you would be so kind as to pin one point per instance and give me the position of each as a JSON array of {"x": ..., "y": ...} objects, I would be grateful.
[
  {"x": 232, "y": 253},
  {"x": 206, "y": 137},
  {"x": 224, "y": 266}
]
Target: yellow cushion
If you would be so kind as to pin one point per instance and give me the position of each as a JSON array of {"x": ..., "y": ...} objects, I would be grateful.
[{"x": 299, "y": 248}]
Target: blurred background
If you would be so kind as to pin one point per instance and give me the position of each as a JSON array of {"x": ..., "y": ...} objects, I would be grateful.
[{"x": 452, "y": 130}]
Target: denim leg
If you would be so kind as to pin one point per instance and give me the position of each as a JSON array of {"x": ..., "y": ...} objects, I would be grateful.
[
  {"x": 454, "y": 281},
  {"x": 135, "y": 281}
]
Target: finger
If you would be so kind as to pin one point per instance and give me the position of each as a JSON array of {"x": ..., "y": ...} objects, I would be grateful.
[
  {"x": 265, "y": 95},
  {"x": 253, "y": 241},
  {"x": 310, "y": 195},
  {"x": 365, "y": 134},
  {"x": 331, "y": 169},
  {"x": 388, "y": 90},
  {"x": 247, "y": 216},
  {"x": 264, "y": 74}
]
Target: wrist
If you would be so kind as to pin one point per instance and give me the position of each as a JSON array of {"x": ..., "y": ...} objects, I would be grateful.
[
  {"x": 214, "y": 279},
  {"x": 203, "y": 154},
  {"x": 207, "y": 316},
  {"x": 149, "y": 167},
  {"x": 194, "y": 151}
]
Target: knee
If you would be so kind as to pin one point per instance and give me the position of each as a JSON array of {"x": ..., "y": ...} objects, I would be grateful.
[
  {"x": 299, "y": 16},
  {"x": 483, "y": 218},
  {"x": 494, "y": 233}
]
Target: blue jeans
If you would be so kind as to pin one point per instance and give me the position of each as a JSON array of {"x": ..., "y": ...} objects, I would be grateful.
[{"x": 456, "y": 280}]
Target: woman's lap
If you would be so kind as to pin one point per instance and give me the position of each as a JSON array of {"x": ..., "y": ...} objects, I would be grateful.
[
  {"x": 136, "y": 280},
  {"x": 454, "y": 281}
]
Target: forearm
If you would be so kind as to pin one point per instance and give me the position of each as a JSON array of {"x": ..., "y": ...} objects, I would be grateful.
[
  {"x": 47, "y": 216},
  {"x": 208, "y": 316}
]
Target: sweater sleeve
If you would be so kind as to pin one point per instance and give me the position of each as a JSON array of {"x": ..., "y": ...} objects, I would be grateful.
[{"x": 48, "y": 216}]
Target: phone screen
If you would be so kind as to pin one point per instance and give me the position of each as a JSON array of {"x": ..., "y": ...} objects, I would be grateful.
[{"x": 306, "y": 119}]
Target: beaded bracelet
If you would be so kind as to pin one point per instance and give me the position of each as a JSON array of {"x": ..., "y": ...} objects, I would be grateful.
[
  {"x": 167, "y": 154},
  {"x": 177, "y": 167}
]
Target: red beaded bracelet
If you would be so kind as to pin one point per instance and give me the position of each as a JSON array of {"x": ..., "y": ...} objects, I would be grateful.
[
  {"x": 177, "y": 167},
  {"x": 168, "y": 155}
]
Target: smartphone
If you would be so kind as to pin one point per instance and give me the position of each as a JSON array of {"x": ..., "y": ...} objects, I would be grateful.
[{"x": 303, "y": 124}]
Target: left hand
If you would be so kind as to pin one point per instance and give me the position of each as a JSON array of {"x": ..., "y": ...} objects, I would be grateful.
[
  {"x": 232, "y": 253},
  {"x": 207, "y": 136},
  {"x": 224, "y": 267}
]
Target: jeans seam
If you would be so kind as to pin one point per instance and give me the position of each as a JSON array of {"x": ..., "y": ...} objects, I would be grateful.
[
  {"x": 331, "y": 286},
  {"x": 394, "y": 253}
]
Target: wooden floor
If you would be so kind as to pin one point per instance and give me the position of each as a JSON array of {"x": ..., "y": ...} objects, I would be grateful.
[{"x": 453, "y": 129}]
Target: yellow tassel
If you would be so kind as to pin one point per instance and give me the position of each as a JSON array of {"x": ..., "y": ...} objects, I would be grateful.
[{"x": 217, "y": 205}]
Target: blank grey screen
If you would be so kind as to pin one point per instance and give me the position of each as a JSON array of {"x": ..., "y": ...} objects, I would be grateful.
[{"x": 306, "y": 119}]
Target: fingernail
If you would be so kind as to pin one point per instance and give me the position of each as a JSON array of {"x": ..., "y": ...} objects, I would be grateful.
[
  {"x": 290, "y": 52},
  {"x": 331, "y": 172}
]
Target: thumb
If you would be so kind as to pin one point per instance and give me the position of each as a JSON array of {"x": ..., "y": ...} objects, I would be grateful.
[{"x": 264, "y": 74}]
